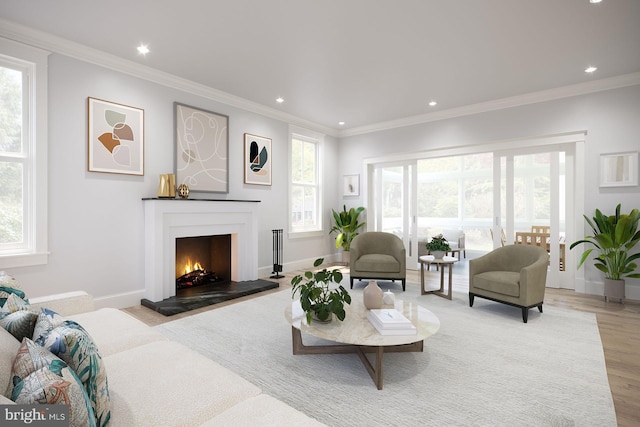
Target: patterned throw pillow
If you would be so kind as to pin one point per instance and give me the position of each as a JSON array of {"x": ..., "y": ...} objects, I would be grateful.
[
  {"x": 47, "y": 321},
  {"x": 73, "y": 344},
  {"x": 17, "y": 318},
  {"x": 38, "y": 376},
  {"x": 8, "y": 286}
]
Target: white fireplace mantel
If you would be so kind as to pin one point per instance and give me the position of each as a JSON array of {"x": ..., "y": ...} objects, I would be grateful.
[{"x": 165, "y": 220}]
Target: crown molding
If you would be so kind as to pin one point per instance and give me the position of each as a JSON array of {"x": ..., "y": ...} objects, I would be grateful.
[
  {"x": 51, "y": 43},
  {"x": 498, "y": 104}
]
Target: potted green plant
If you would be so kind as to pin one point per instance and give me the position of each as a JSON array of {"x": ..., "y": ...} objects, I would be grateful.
[
  {"x": 438, "y": 246},
  {"x": 614, "y": 236},
  {"x": 347, "y": 226},
  {"x": 317, "y": 298}
]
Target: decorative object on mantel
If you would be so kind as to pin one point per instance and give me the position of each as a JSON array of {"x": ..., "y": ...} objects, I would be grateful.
[
  {"x": 372, "y": 295},
  {"x": 257, "y": 159},
  {"x": 438, "y": 246},
  {"x": 167, "y": 186},
  {"x": 202, "y": 149},
  {"x": 183, "y": 191},
  {"x": 116, "y": 138},
  {"x": 614, "y": 237},
  {"x": 317, "y": 299}
]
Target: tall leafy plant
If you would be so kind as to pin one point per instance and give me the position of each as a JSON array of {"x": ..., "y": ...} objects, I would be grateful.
[
  {"x": 614, "y": 236},
  {"x": 346, "y": 225}
]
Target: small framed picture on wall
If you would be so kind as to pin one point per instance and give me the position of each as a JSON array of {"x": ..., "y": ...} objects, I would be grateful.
[
  {"x": 351, "y": 185},
  {"x": 257, "y": 159},
  {"x": 619, "y": 169}
]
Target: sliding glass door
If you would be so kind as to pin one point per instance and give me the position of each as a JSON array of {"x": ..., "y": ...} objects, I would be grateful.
[
  {"x": 394, "y": 204},
  {"x": 531, "y": 205},
  {"x": 494, "y": 196}
]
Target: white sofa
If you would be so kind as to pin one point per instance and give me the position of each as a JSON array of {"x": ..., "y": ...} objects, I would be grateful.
[{"x": 154, "y": 381}]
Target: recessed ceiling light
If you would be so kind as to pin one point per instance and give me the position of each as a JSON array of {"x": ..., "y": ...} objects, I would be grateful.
[
  {"x": 341, "y": 123},
  {"x": 279, "y": 100},
  {"x": 432, "y": 103},
  {"x": 594, "y": 1},
  {"x": 143, "y": 49},
  {"x": 590, "y": 69}
]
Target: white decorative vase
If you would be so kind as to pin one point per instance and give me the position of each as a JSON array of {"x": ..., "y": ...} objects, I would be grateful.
[
  {"x": 614, "y": 289},
  {"x": 372, "y": 295},
  {"x": 388, "y": 298},
  {"x": 438, "y": 254}
]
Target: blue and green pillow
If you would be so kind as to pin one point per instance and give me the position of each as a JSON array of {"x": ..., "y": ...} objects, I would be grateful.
[
  {"x": 38, "y": 376},
  {"x": 73, "y": 344}
]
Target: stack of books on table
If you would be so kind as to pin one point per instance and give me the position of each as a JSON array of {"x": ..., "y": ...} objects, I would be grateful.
[{"x": 389, "y": 321}]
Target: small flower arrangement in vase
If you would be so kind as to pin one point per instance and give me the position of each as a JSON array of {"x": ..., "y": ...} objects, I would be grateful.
[{"x": 438, "y": 246}]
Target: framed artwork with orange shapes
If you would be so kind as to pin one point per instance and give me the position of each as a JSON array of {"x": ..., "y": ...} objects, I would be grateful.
[{"x": 116, "y": 138}]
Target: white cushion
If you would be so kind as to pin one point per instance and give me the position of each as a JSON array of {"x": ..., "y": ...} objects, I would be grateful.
[
  {"x": 166, "y": 384},
  {"x": 65, "y": 304},
  {"x": 114, "y": 330},
  {"x": 262, "y": 410}
]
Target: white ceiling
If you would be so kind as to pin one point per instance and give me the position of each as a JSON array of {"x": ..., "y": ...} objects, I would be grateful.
[{"x": 358, "y": 61}]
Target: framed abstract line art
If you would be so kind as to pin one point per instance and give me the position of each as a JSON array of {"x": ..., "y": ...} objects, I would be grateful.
[
  {"x": 619, "y": 169},
  {"x": 116, "y": 138},
  {"x": 351, "y": 185},
  {"x": 257, "y": 159},
  {"x": 202, "y": 149}
]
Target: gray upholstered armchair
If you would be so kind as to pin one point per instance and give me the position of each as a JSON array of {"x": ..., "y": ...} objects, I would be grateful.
[
  {"x": 378, "y": 255},
  {"x": 513, "y": 275}
]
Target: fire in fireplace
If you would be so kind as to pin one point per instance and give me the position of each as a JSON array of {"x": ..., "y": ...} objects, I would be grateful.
[{"x": 203, "y": 260}]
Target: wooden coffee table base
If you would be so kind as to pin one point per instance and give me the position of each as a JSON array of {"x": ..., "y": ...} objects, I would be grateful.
[{"x": 374, "y": 371}]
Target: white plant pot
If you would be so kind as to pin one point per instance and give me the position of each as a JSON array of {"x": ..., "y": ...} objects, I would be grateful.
[
  {"x": 614, "y": 289},
  {"x": 346, "y": 257}
]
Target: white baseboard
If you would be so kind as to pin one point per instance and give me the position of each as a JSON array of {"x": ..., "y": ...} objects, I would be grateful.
[
  {"x": 632, "y": 291},
  {"x": 123, "y": 300},
  {"x": 304, "y": 264}
]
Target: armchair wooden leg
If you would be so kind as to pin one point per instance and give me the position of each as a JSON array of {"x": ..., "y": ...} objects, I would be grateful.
[
  {"x": 525, "y": 314},
  {"x": 351, "y": 280},
  {"x": 471, "y": 296},
  {"x": 404, "y": 284},
  {"x": 540, "y": 307}
]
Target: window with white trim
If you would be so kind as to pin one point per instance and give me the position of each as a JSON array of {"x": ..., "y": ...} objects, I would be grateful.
[
  {"x": 23, "y": 155},
  {"x": 305, "y": 191}
]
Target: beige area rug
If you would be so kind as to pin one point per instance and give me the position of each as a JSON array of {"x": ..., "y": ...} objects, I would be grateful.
[{"x": 484, "y": 367}]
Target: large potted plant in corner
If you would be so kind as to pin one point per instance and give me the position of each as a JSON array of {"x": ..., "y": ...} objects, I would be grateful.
[
  {"x": 317, "y": 298},
  {"x": 614, "y": 236},
  {"x": 347, "y": 226}
]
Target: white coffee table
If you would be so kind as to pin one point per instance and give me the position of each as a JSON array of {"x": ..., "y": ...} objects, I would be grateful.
[{"x": 356, "y": 335}]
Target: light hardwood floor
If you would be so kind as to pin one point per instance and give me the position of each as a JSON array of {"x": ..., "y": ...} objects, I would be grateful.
[{"x": 619, "y": 327}]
